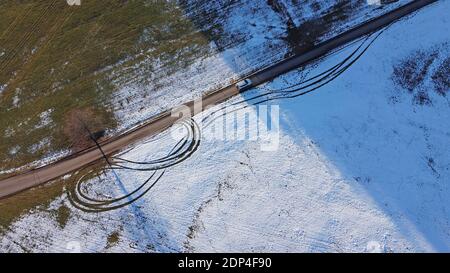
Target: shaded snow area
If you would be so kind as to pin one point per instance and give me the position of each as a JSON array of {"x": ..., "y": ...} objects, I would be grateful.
[
  {"x": 244, "y": 36},
  {"x": 363, "y": 164}
]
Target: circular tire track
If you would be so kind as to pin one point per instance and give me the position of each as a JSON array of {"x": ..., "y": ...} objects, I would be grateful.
[{"x": 182, "y": 150}]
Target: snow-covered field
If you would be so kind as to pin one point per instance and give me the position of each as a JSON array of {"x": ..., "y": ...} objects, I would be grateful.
[
  {"x": 242, "y": 45},
  {"x": 363, "y": 164}
]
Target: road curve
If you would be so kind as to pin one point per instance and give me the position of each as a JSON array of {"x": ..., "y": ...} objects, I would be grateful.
[{"x": 35, "y": 177}]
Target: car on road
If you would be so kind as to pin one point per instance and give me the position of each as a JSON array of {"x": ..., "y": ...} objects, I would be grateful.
[{"x": 244, "y": 85}]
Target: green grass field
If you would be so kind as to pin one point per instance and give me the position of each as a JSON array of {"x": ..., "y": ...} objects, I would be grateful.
[{"x": 60, "y": 58}]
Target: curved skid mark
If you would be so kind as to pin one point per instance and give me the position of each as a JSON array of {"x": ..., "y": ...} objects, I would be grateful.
[{"x": 178, "y": 153}]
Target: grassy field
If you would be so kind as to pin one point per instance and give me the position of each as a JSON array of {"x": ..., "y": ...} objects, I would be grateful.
[
  {"x": 37, "y": 198},
  {"x": 56, "y": 59}
]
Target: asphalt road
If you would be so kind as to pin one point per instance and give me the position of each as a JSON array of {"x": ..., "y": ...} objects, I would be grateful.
[{"x": 35, "y": 177}]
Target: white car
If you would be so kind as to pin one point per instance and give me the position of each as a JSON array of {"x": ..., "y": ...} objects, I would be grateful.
[{"x": 244, "y": 85}]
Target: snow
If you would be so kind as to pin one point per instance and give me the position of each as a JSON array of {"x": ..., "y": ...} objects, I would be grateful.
[
  {"x": 14, "y": 150},
  {"x": 360, "y": 167},
  {"x": 16, "y": 98},
  {"x": 238, "y": 52},
  {"x": 43, "y": 143},
  {"x": 45, "y": 119},
  {"x": 2, "y": 88}
]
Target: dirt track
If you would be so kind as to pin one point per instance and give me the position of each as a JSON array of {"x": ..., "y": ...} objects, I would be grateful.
[{"x": 15, "y": 184}]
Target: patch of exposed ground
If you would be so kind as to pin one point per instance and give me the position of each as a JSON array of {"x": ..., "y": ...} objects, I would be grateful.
[
  {"x": 441, "y": 77},
  {"x": 424, "y": 72},
  {"x": 113, "y": 238},
  {"x": 82, "y": 126},
  {"x": 62, "y": 216},
  {"x": 303, "y": 37}
]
